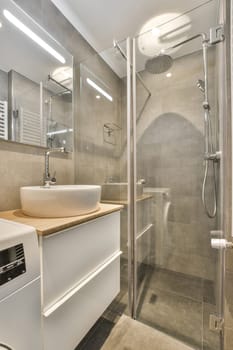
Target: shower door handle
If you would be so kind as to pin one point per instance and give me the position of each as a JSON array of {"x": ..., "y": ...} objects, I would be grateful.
[
  {"x": 221, "y": 243},
  {"x": 141, "y": 181}
]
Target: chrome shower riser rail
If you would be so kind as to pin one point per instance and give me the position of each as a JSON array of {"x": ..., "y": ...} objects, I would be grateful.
[
  {"x": 210, "y": 155},
  {"x": 209, "y": 148}
]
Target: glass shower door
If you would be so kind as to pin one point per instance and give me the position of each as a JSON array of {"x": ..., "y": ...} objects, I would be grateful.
[{"x": 176, "y": 272}]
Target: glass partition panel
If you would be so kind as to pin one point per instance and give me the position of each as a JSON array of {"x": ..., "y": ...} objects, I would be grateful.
[
  {"x": 177, "y": 273},
  {"x": 102, "y": 144}
]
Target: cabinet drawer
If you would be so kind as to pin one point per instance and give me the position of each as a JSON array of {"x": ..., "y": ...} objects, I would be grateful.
[
  {"x": 70, "y": 255},
  {"x": 67, "y": 325}
]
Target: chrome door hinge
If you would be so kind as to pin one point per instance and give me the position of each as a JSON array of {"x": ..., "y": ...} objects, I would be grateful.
[
  {"x": 220, "y": 243},
  {"x": 216, "y": 323},
  {"x": 216, "y": 34}
]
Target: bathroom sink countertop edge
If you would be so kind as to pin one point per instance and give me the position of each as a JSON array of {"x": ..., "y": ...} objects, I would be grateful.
[{"x": 47, "y": 226}]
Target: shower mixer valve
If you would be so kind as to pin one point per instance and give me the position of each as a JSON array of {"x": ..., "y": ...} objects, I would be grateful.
[
  {"x": 213, "y": 156},
  {"x": 206, "y": 105}
]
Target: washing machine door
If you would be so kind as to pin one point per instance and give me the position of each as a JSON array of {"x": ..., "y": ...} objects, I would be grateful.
[{"x": 5, "y": 347}]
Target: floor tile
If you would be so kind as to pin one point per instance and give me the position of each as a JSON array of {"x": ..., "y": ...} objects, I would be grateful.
[
  {"x": 173, "y": 314},
  {"x": 129, "y": 334}
]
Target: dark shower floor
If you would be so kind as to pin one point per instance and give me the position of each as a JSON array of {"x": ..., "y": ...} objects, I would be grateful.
[
  {"x": 174, "y": 305},
  {"x": 128, "y": 334}
]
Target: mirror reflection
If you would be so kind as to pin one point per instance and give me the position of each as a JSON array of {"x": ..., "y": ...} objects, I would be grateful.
[{"x": 36, "y": 83}]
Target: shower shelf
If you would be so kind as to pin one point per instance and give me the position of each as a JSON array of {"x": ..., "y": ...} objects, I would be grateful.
[
  {"x": 109, "y": 130},
  {"x": 125, "y": 202}
]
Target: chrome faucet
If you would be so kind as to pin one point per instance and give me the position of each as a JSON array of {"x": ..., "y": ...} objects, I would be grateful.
[{"x": 48, "y": 180}]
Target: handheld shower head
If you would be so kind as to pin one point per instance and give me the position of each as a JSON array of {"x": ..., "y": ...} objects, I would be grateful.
[
  {"x": 201, "y": 85},
  {"x": 159, "y": 64}
]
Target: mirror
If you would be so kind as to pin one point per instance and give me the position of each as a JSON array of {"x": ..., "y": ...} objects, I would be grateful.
[{"x": 36, "y": 83}]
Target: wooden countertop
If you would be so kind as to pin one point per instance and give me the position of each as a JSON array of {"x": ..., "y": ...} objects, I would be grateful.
[
  {"x": 46, "y": 226},
  {"x": 125, "y": 202}
]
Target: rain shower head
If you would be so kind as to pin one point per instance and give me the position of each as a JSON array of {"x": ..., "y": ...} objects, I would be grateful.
[
  {"x": 159, "y": 64},
  {"x": 201, "y": 85}
]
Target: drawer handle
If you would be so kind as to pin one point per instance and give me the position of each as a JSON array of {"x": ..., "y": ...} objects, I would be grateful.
[{"x": 49, "y": 310}]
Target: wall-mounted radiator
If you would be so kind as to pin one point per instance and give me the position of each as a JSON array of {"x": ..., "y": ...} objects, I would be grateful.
[
  {"x": 3, "y": 120},
  {"x": 32, "y": 130}
]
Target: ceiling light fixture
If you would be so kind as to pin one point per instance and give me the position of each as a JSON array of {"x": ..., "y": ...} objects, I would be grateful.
[
  {"x": 17, "y": 23},
  {"x": 169, "y": 27},
  {"x": 168, "y": 75},
  {"x": 98, "y": 97},
  {"x": 155, "y": 31},
  {"x": 99, "y": 89}
]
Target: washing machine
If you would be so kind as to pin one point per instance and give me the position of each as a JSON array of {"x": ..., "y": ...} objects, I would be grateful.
[{"x": 20, "y": 310}]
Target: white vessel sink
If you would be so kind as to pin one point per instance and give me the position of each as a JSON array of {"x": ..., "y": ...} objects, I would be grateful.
[{"x": 60, "y": 201}]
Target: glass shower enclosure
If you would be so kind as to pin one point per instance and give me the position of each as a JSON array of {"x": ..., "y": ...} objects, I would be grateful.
[
  {"x": 151, "y": 133},
  {"x": 176, "y": 147}
]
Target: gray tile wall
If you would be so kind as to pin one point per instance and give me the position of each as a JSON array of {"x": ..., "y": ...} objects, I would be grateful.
[
  {"x": 170, "y": 149},
  {"x": 170, "y": 145},
  {"x": 97, "y": 160},
  {"x": 229, "y": 300},
  {"x": 3, "y": 86}
]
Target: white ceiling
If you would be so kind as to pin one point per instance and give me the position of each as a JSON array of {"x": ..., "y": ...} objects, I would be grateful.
[{"x": 101, "y": 21}]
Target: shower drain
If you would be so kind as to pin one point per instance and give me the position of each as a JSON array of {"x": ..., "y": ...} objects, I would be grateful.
[{"x": 153, "y": 298}]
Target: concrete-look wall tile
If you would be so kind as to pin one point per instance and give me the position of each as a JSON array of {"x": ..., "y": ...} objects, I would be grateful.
[
  {"x": 97, "y": 149},
  {"x": 228, "y": 314},
  {"x": 229, "y": 260},
  {"x": 24, "y": 166},
  {"x": 228, "y": 339},
  {"x": 229, "y": 286},
  {"x": 229, "y": 299},
  {"x": 170, "y": 149},
  {"x": 63, "y": 31},
  {"x": 33, "y": 8},
  {"x": 3, "y": 86},
  {"x": 53, "y": 21}
]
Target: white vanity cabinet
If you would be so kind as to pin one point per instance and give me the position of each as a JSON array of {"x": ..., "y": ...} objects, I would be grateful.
[{"x": 81, "y": 277}]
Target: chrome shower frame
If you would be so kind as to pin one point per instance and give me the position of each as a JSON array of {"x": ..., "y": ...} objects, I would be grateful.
[
  {"x": 125, "y": 56},
  {"x": 138, "y": 75},
  {"x": 225, "y": 171},
  {"x": 210, "y": 158}
]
